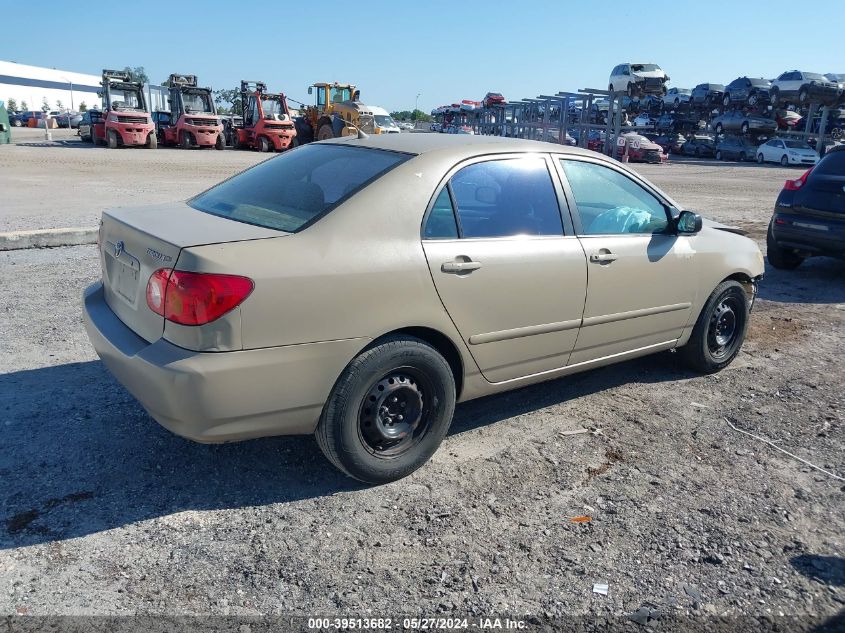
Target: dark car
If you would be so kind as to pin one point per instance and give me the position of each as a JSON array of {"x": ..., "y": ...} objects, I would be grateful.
[
  {"x": 700, "y": 146},
  {"x": 68, "y": 119},
  {"x": 16, "y": 119},
  {"x": 749, "y": 90},
  {"x": 839, "y": 78},
  {"x": 738, "y": 121},
  {"x": 736, "y": 148},
  {"x": 835, "y": 125},
  {"x": 26, "y": 115},
  {"x": 707, "y": 95},
  {"x": 671, "y": 143},
  {"x": 809, "y": 216},
  {"x": 87, "y": 122}
]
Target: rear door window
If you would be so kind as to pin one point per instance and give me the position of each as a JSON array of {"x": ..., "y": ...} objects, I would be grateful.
[
  {"x": 504, "y": 198},
  {"x": 832, "y": 164},
  {"x": 293, "y": 190}
]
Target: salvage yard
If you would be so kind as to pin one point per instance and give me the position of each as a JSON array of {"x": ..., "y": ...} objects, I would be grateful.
[{"x": 102, "y": 511}]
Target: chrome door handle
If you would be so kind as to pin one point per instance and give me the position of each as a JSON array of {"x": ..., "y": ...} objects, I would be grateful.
[
  {"x": 459, "y": 267},
  {"x": 603, "y": 258}
]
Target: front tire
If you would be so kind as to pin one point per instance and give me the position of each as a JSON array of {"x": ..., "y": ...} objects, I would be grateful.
[
  {"x": 718, "y": 155},
  {"x": 152, "y": 141},
  {"x": 325, "y": 132},
  {"x": 389, "y": 411},
  {"x": 111, "y": 135},
  {"x": 185, "y": 140},
  {"x": 263, "y": 144},
  {"x": 779, "y": 257},
  {"x": 760, "y": 159},
  {"x": 774, "y": 97},
  {"x": 784, "y": 161},
  {"x": 720, "y": 329},
  {"x": 220, "y": 143}
]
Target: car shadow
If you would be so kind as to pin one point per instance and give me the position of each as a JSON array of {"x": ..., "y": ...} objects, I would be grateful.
[
  {"x": 816, "y": 280},
  {"x": 829, "y": 570},
  {"x": 491, "y": 409},
  {"x": 81, "y": 456}
]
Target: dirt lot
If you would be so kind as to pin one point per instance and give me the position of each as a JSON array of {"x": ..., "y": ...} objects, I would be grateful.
[{"x": 104, "y": 512}]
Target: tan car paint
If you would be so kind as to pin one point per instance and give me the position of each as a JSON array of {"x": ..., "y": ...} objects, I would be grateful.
[{"x": 361, "y": 272}]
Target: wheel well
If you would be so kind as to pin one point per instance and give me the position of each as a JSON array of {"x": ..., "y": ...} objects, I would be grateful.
[
  {"x": 745, "y": 280},
  {"x": 442, "y": 344}
]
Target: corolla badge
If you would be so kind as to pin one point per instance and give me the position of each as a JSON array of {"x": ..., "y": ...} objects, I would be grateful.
[
  {"x": 118, "y": 248},
  {"x": 159, "y": 256}
]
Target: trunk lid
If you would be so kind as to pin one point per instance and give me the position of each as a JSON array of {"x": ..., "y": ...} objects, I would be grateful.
[{"x": 135, "y": 242}]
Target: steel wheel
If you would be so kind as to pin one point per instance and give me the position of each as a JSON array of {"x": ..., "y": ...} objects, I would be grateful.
[
  {"x": 724, "y": 327},
  {"x": 394, "y": 414}
]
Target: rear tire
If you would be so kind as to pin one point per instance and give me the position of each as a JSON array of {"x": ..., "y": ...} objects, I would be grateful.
[
  {"x": 111, "y": 135},
  {"x": 803, "y": 96},
  {"x": 719, "y": 331},
  {"x": 718, "y": 155},
  {"x": 760, "y": 159},
  {"x": 361, "y": 430},
  {"x": 744, "y": 128},
  {"x": 774, "y": 96},
  {"x": 781, "y": 258}
]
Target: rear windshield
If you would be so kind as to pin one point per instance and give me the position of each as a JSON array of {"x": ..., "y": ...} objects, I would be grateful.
[
  {"x": 832, "y": 164},
  {"x": 295, "y": 189}
]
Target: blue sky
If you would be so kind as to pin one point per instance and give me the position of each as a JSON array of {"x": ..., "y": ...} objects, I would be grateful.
[{"x": 445, "y": 51}]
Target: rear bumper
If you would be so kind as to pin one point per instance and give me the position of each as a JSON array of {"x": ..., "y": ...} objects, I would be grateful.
[
  {"x": 809, "y": 234},
  {"x": 219, "y": 396}
]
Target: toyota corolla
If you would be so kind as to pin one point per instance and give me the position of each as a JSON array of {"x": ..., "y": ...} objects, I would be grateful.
[{"x": 358, "y": 288}]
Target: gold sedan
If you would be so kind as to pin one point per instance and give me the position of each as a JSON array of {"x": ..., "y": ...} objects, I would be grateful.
[{"x": 358, "y": 288}]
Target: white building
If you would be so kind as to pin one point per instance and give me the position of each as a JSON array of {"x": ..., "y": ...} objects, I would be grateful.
[{"x": 33, "y": 84}]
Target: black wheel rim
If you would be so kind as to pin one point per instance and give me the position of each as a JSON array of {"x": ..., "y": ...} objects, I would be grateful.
[
  {"x": 725, "y": 326},
  {"x": 395, "y": 413}
]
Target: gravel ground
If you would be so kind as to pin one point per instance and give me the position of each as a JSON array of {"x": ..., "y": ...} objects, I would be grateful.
[{"x": 104, "y": 512}]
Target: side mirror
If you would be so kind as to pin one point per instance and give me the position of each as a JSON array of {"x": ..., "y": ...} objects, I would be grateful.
[
  {"x": 688, "y": 223},
  {"x": 310, "y": 90}
]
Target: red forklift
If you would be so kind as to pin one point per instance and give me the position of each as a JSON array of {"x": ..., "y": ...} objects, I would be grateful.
[
  {"x": 125, "y": 121},
  {"x": 193, "y": 120},
  {"x": 267, "y": 124}
]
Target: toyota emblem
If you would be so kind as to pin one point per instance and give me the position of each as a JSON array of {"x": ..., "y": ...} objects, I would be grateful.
[{"x": 118, "y": 249}]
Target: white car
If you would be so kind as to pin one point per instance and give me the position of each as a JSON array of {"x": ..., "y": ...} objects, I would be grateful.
[
  {"x": 787, "y": 152},
  {"x": 676, "y": 96},
  {"x": 638, "y": 79},
  {"x": 796, "y": 86},
  {"x": 644, "y": 120}
]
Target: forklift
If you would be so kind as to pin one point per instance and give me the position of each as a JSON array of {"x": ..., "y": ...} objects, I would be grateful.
[
  {"x": 126, "y": 121},
  {"x": 193, "y": 120},
  {"x": 266, "y": 123}
]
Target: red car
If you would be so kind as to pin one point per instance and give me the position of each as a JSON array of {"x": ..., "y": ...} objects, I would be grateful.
[
  {"x": 640, "y": 149},
  {"x": 493, "y": 98},
  {"x": 787, "y": 119}
]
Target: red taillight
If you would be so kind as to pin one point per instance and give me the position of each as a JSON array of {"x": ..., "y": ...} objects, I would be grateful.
[
  {"x": 195, "y": 298},
  {"x": 795, "y": 185}
]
